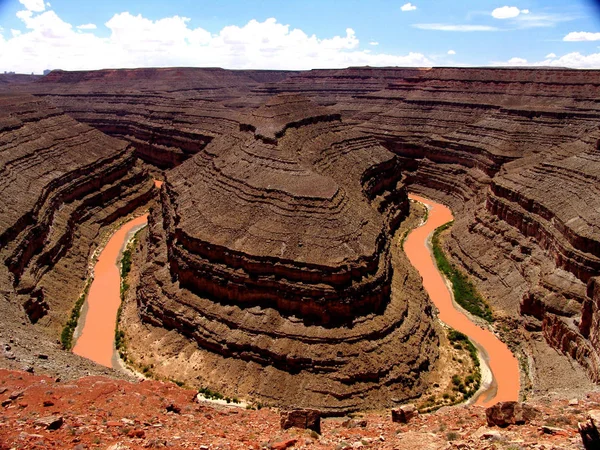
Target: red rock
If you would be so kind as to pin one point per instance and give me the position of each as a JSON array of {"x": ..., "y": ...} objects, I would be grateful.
[
  {"x": 301, "y": 418},
  {"x": 404, "y": 414},
  {"x": 284, "y": 444},
  {"x": 136, "y": 434},
  {"x": 503, "y": 414}
]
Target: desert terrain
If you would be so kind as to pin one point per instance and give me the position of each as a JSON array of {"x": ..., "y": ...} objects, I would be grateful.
[{"x": 273, "y": 268}]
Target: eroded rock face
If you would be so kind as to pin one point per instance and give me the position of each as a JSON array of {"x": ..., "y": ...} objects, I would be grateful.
[
  {"x": 61, "y": 182},
  {"x": 513, "y": 152},
  {"x": 272, "y": 250}
]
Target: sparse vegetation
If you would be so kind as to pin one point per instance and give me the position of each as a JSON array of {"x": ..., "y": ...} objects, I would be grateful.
[
  {"x": 463, "y": 385},
  {"x": 452, "y": 435},
  {"x": 213, "y": 395},
  {"x": 471, "y": 383},
  {"x": 126, "y": 262},
  {"x": 465, "y": 293},
  {"x": 66, "y": 337}
]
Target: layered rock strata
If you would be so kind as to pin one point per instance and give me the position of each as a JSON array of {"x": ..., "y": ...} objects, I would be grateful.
[
  {"x": 272, "y": 250},
  {"x": 512, "y": 151},
  {"x": 166, "y": 114},
  {"x": 515, "y": 153},
  {"x": 61, "y": 183}
]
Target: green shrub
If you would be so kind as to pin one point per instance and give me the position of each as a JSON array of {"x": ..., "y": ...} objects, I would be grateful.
[
  {"x": 464, "y": 291},
  {"x": 66, "y": 337}
]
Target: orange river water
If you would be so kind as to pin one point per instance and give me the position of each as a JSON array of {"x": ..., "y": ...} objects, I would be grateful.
[
  {"x": 505, "y": 383},
  {"x": 97, "y": 338}
]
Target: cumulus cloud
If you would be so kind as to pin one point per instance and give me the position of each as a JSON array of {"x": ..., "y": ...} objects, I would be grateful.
[
  {"x": 34, "y": 5},
  {"x": 508, "y": 12},
  {"x": 516, "y": 61},
  {"x": 451, "y": 27},
  {"x": 87, "y": 26},
  {"x": 135, "y": 41},
  {"x": 373, "y": 43},
  {"x": 577, "y": 36},
  {"x": 551, "y": 55},
  {"x": 408, "y": 7},
  {"x": 451, "y": 52},
  {"x": 574, "y": 59}
]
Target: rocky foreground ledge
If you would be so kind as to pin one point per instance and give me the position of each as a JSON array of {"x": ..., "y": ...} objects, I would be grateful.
[{"x": 104, "y": 413}]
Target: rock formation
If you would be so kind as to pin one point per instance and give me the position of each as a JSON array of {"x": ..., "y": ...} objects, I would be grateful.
[
  {"x": 292, "y": 295},
  {"x": 62, "y": 181},
  {"x": 271, "y": 244}
]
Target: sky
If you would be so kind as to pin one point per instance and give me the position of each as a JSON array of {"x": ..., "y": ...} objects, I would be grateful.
[{"x": 36, "y": 35}]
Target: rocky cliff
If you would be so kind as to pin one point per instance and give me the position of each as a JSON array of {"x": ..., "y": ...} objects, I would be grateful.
[
  {"x": 62, "y": 183},
  {"x": 272, "y": 250},
  {"x": 514, "y": 152}
]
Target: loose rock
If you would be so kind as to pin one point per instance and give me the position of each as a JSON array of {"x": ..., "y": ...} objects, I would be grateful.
[
  {"x": 301, "y": 418},
  {"x": 503, "y": 414},
  {"x": 404, "y": 414}
]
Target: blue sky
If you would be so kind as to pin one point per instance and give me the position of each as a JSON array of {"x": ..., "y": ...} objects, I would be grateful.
[{"x": 275, "y": 34}]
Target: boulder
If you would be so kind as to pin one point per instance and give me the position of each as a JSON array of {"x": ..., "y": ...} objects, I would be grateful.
[
  {"x": 354, "y": 423},
  {"x": 589, "y": 431},
  {"x": 404, "y": 414},
  {"x": 301, "y": 418},
  {"x": 503, "y": 414},
  {"x": 50, "y": 422}
]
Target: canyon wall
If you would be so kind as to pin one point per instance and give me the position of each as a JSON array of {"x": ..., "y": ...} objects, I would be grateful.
[
  {"x": 514, "y": 152},
  {"x": 62, "y": 183},
  {"x": 272, "y": 250}
]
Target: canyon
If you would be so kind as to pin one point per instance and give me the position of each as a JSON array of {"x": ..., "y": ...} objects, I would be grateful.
[{"x": 271, "y": 266}]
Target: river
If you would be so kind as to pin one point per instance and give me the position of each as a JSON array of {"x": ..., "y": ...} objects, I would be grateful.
[
  {"x": 503, "y": 365},
  {"x": 97, "y": 338}
]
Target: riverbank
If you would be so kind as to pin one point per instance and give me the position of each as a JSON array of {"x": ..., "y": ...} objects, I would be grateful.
[{"x": 504, "y": 368}]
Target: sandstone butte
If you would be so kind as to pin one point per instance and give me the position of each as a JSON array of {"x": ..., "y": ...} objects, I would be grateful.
[{"x": 271, "y": 269}]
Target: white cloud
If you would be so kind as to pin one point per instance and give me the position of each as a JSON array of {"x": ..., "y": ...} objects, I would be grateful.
[
  {"x": 524, "y": 11},
  {"x": 15, "y": 33},
  {"x": 574, "y": 60},
  {"x": 33, "y": 5},
  {"x": 408, "y": 7},
  {"x": 136, "y": 41},
  {"x": 516, "y": 61},
  {"x": 541, "y": 20},
  {"x": 576, "y": 36},
  {"x": 450, "y": 27},
  {"x": 87, "y": 26},
  {"x": 506, "y": 12},
  {"x": 373, "y": 43},
  {"x": 451, "y": 52}
]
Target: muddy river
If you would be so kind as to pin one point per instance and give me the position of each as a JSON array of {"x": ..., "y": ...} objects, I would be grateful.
[
  {"x": 97, "y": 337},
  {"x": 504, "y": 367}
]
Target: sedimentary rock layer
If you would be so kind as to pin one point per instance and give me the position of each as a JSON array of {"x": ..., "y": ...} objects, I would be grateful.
[
  {"x": 61, "y": 182},
  {"x": 166, "y": 114},
  {"x": 514, "y": 152},
  {"x": 272, "y": 250}
]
